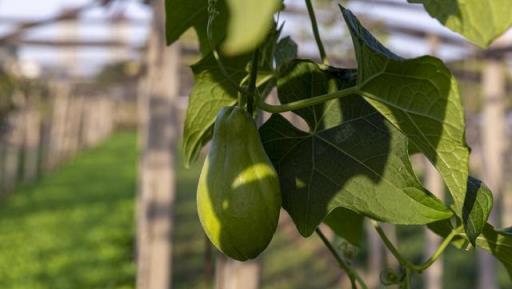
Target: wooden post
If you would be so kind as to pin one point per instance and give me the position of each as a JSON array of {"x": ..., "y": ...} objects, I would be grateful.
[
  {"x": 375, "y": 258},
  {"x": 434, "y": 274},
  {"x": 157, "y": 187},
  {"x": 13, "y": 145},
  {"x": 56, "y": 139},
  {"x": 74, "y": 118},
  {"x": 391, "y": 261},
  {"x": 434, "y": 183},
  {"x": 32, "y": 138},
  {"x": 493, "y": 148},
  {"x": 232, "y": 274}
]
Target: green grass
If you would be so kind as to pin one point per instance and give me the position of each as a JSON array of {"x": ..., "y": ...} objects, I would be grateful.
[{"x": 74, "y": 228}]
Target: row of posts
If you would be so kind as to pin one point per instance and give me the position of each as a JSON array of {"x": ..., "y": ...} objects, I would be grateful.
[{"x": 46, "y": 128}]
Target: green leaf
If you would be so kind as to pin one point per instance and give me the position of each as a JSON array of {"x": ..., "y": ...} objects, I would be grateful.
[
  {"x": 477, "y": 207},
  {"x": 479, "y": 21},
  {"x": 498, "y": 242},
  {"x": 347, "y": 224},
  {"x": 210, "y": 93},
  {"x": 184, "y": 14},
  {"x": 420, "y": 97},
  {"x": 286, "y": 51},
  {"x": 351, "y": 157},
  {"x": 249, "y": 24}
]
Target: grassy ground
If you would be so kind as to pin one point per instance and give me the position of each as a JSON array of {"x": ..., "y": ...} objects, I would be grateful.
[{"x": 73, "y": 228}]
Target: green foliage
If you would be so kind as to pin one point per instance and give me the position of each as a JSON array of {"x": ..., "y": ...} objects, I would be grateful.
[
  {"x": 347, "y": 224},
  {"x": 420, "y": 97},
  {"x": 477, "y": 207},
  {"x": 249, "y": 23},
  {"x": 184, "y": 14},
  {"x": 286, "y": 51},
  {"x": 352, "y": 161},
  {"x": 241, "y": 26},
  {"x": 479, "y": 21},
  {"x": 498, "y": 243},
  {"x": 211, "y": 92},
  {"x": 73, "y": 228}
]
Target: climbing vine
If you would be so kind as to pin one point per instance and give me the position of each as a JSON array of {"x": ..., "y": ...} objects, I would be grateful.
[{"x": 352, "y": 163}]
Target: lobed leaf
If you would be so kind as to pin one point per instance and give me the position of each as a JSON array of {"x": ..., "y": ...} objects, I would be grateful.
[
  {"x": 351, "y": 157},
  {"x": 479, "y": 21},
  {"x": 420, "y": 97}
]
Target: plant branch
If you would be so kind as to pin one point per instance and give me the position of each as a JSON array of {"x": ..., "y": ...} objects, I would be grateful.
[
  {"x": 422, "y": 267},
  {"x": 316, "y": 32},
  {"x": 352, "y": 275},
  {"x": 212, "y": 13},
  {"x": 251, "y": 91},
  {"x": 299, "y": 104}
]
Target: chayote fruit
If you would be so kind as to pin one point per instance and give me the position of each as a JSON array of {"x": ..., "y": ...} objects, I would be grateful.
[{"x": 238, "y": 195}]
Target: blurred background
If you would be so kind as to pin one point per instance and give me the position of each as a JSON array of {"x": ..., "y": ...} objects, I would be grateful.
[{"x": 92, "y": 190}]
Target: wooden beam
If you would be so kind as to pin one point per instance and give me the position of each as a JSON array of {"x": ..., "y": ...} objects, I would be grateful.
[
  {"x": 64, "y": 15},
  {"x": 86, "y": 21}
]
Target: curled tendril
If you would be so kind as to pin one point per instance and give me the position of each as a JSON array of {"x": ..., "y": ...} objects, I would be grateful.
[
  {"x": 212, "y": 8},
  {"x": 348, "y": 250},
  {"x": 389, "y": 277}
]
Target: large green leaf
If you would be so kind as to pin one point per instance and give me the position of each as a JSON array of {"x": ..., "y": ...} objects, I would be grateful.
[
  {"x": 210, "y": 93},
  {"x": 479, "y": 21},
  {"x": 249, "y": 23},
  {"x": 420, "y": 97},
  {"x": 477, "y": 207},
  {"x": 241, "y": 26},
  {"x": 180, "y": 15},
  {"x": 351, "y": 157},
  {"x": 347, "y": 224}
]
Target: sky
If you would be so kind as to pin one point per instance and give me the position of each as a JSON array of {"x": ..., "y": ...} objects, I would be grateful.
[{"x": 88, "y": 60}]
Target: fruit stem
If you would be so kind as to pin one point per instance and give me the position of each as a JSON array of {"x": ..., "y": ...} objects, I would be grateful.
[
  {"x": 352, "y": 275},
  {"x": 299, "y": 104},
  {"x": 422, "y": 267},
  {"x": 251, "y": 91}
]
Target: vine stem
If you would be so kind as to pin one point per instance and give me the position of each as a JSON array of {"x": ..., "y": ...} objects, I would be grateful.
[
  {"x": 316, "y": 32},
  {"x": 252, "y": 80},
  {"x": 212, "y": 13},
  {"x": 422, "y": 267},
  {"x": 299, "y": 104},
  {"x": 352, "y": 275}
]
